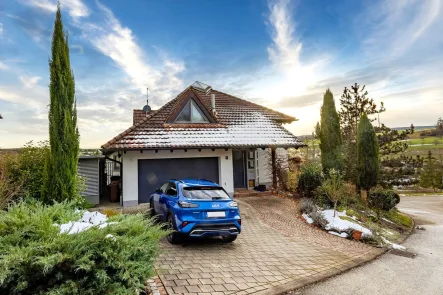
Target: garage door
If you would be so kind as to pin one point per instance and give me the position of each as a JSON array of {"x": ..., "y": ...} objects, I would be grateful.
[{"x": 153, "y": 173}]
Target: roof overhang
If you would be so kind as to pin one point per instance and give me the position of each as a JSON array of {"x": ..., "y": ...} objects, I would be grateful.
[{"x": 244, "y": 147}]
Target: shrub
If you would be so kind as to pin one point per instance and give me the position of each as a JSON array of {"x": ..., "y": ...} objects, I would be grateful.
[
  {"x": 307, "y": 206},
  {"x": 26, "y": 168},
  {"x": 9, "y": 189},
  {"x": 36, "y": 259},
  {"x": 292, "y": 180},
  {"x": 318, "y": 219},
  {"x": 383, "y": 199},
  {"x": 348, "y": 195},
  {"x": 331, "y": 187},
  {"x": 310, "y": 178}
]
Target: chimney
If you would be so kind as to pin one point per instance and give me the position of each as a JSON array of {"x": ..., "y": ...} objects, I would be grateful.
[{"x": 213, "y": 102}]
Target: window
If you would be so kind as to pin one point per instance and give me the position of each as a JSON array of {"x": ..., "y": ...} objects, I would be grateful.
[
  {"x": 191, "y": 114},
  {"x": 164, "y": 187},
  {"x": 205, "y": 193},
  {"x": 116, "y": 165},
  {"x": 172, "y": 190}
]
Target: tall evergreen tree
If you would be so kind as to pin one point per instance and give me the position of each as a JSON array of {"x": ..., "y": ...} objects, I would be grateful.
[
  {"x": 431, "y": 174},
  {"x": 61, "y": 167},
  {"x": 330, "y": 135},
  {"x": 368, "y": 166}
]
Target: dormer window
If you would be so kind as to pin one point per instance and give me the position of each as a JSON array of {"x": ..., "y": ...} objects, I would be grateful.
[{"x": 191, "y": 114}]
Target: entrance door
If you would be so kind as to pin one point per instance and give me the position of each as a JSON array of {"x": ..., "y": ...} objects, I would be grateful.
[{"x": 239, "y": 163}]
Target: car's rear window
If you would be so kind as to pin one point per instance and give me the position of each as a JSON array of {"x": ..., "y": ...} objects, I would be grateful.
[{"x": 205, "y": 193}]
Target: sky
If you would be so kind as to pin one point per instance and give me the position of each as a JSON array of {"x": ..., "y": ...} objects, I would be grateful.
[{"x": 279, "y": 53}]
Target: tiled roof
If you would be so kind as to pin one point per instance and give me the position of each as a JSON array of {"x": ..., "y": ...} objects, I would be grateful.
[{"x": 238, "y": 123}]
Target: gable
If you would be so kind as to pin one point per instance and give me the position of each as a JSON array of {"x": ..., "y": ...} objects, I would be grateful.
[
  {"x": 190, "y": 110},
  {"x": 191, "y": 114}
]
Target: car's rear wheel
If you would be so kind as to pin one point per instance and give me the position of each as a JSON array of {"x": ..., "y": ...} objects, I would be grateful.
[
  {"x": 173, "y": 237},
  {"x": 229, "y": 239}
]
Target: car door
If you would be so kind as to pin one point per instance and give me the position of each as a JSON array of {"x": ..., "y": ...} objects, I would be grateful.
[
  {"x": 170, "y": 196},
  {"x": 157, "y": 197}
]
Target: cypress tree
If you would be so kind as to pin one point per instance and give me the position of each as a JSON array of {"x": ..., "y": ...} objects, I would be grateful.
[
  {"x": 61, "y": 166},
  {"x": 368, "y": 166},
  {"x": 431, "y": 174},
  {"x": 330, "y": 135}
]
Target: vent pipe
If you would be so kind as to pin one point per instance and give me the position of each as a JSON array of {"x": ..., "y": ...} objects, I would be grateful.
[{"x": 213, "y": 102}]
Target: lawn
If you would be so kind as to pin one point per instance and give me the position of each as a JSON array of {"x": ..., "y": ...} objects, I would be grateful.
[{"x": 421, "y": 146}]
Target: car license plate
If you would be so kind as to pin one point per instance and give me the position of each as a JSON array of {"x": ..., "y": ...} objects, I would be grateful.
[{"x": 216, "y": 214}]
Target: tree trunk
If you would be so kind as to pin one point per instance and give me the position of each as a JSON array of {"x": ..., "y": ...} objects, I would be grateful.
[{"x": 274, "y": 168}]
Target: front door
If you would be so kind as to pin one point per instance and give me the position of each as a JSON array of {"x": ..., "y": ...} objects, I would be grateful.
[{"x": 238, "y": 161}]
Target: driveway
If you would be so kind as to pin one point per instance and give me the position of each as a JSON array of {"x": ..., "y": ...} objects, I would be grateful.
[
  {"x": 391, "y": 274},
  {"x": 275, "y": 252}
]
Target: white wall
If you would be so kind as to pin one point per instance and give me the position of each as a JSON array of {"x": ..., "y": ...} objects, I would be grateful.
[
  {"x": 130, "y": 168},
  {"x": 264, "y": 164},
  {"x": 264, "y": 167}
]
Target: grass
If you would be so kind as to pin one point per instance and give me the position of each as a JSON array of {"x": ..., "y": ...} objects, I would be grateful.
[
  {"x": 398, "y": 218},
  {"x": 432, "y": 140}
]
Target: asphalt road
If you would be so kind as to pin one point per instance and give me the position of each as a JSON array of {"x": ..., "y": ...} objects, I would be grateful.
[{"x": 391, "y": 274}]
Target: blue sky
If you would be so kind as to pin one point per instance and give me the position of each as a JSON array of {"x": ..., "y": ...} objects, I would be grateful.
[{"x": 279, "y": 53}]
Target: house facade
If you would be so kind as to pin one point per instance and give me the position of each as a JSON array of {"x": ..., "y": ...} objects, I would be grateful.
[{"x": 205, "y": 134}]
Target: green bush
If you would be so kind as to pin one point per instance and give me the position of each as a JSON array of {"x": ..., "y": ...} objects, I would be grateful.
[
  {"x": 27, "y": 167},
  {"x": 36, "y": 259},
  {"x": 383, "y": 199},
  {"x": 310, "y": 178},
  {"x": 9, "y": 188}
]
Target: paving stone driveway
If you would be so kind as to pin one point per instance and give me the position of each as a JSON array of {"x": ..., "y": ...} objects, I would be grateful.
[{"x": 267, "y": 258}]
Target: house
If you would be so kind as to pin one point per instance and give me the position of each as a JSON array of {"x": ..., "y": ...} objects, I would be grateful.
[{"x": 205, "y": 134}]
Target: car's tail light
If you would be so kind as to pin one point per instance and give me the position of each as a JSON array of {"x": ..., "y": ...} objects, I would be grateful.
[
  {"x": 184, "y": 223},
  {"x": 233, "y": 204},
  {"x": 187, "y": 204},
  {"x": 239, "y": 221}
]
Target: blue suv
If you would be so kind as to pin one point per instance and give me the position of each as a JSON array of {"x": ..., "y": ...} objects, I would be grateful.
[{"x": 196, "y": 208}]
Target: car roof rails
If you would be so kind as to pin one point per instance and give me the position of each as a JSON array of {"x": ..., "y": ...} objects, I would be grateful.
[{"x": 173, "y": 179}]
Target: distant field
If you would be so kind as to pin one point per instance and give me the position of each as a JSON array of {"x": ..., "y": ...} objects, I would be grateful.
[
  {"x": 417, "y": 146},
  {"x": 421, "y": 146}
]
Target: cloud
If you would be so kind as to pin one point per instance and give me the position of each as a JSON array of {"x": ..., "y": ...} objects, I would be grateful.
[
  {"x": 32, "y": 26},
  {"x": 3, "y": 66},
  {"x": 116, "y": 41},
  {"x": 29, "y": 81},
  {"x": 1, "y": 29},
  {"x": 393, "y": 28},
  {"x": 285, "y": 51},
  {"x": 75, "y": 8},
  {"x": 399, "y": 62},
  {"x": 288, "y": 75}
]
